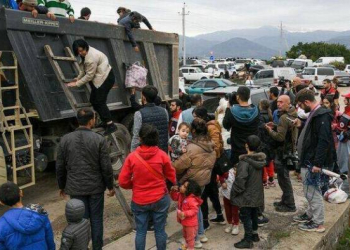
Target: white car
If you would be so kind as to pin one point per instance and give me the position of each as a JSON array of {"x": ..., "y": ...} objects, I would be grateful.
[
  {"x": 328, "y": 60},
  {"x": 192, "y": 74},
  {"x": 240, "y": 63},
  {"x": 218, "y": 69},
  {"x": 347, "y": 68},
  {"x": 272, "y": 76},
  {"x": 317, "y": 75}
]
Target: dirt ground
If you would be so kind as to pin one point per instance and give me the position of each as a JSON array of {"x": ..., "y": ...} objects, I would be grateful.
[{"x": 45, "y": 192}]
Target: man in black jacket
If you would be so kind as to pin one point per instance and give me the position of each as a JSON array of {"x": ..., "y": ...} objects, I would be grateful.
[
  {"x": 84, "y": 170},
  {"x": 243, "y": 120},
  {"x": 316, "y": 151}
]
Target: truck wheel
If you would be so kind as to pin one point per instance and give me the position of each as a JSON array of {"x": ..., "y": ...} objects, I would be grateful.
[
  {"x": 40, "y": 162},
  {"x": 118, "y": 145},
  {"x": 128, "y": 122}
]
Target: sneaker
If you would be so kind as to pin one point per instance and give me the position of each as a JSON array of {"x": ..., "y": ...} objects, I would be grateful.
[
  {"x": 278, "y": 203},
  {"x": 235, "y": 230},
  {"x": 228, "y": 229},
  {"x": 111, "y": 128},
  {"x": 265, "y": 185},
  {"x": 256, "y": 238},
  {"x": 262, "y": 221},
  {"x": 312, "y": 227},
  {"x": 301, "y": 218},
  {"x": 198, "y": 244},
  {"x": 206, "y": 225},
  {"x": 219, "y": 220},
  {"x": 203, "y": 238},
  {"x": 285, "y": 209},
  {"x": 244, "y": 244},
  {"x": 271, "y": 184}
]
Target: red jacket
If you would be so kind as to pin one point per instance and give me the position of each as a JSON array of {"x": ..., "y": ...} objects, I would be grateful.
[
  {"x": 189, "y": 205},
  {"x": 146, "y": 187}
]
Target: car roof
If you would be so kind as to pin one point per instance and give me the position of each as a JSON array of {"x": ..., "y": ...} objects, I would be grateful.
[{"x": 230, "y": 89}]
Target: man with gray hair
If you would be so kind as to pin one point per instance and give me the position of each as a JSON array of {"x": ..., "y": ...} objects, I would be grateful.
[{"x": 285, "y": 134}]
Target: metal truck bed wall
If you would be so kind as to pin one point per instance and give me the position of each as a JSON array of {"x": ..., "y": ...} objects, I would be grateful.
[{"x": 40, "y": 89}]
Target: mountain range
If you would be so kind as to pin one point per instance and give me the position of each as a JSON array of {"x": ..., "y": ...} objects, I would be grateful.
[{"x": 263, "y": 42}]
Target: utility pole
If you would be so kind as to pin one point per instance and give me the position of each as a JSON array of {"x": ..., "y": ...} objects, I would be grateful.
[
  {"x": 281, "y": 37},
  {"x": 184, "y": 14}
]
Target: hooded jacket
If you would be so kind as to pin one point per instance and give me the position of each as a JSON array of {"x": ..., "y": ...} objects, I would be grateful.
[
  {"x": 26, "y": 228},
  {"x": 247, "y": 190},
  {"x": 317, "y": 146},
  {"x": 286, "y": 134},
  {"x": 243, "y": 122},
  {"x": 146, "y": 187},
  {"x": 76, "y": 235},
  {"x": 197, "y": 163},
  {"x": 189, "y": 205},
  {"x": 214, "y": 130}
]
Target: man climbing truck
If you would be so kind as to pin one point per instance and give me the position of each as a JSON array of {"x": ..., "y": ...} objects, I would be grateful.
[{"x": 46, "y": 107}]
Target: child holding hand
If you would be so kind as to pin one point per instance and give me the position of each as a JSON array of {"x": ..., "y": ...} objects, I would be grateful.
[{"x": 189, "y": 201}]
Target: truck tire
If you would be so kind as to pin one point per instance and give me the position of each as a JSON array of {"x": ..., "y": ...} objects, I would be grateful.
[
  {"x": 119, "y": 146},
  {"x": 40, "y": 162},
  {"x": 128, "y": 122}
]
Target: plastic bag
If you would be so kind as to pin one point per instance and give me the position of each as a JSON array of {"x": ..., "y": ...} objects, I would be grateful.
[
  {"x": 335, "y": 195},
  {"x": 136, "y": 76}
]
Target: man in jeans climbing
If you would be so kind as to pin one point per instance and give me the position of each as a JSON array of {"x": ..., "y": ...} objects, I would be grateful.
[{"x": 316, "y": 151}]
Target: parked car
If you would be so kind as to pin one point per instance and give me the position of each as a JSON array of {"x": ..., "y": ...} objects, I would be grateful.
[
  {"x": 272, "y": 76},
  {"x": 347, "y": 68},
  {"x": 317, "y": 75},
  {"x": 211, "y": 98},
  {"x": 204, "y": 85},
  {"x": 278, "y": 64},
  {"x": 343, "y": 78},
  {"x": 300, "y": 64},
  {"x": 240, "y": 63},
  {"x": 322, "y": 61},
  {"x": 217, "y": 69},
  {"x": 192, "y": 74},
  {"x": 289, "y": 62}
]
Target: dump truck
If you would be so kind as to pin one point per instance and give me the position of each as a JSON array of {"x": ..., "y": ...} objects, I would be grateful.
[{"x": 37, "y": 109}]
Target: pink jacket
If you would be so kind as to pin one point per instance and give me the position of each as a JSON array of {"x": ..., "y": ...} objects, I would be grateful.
[{"x": 189, "y": 205}]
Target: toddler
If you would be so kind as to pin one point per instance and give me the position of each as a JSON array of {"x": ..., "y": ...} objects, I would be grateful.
[
  {"x": 188, "y": 205},
  {"x": 231, "y": 211},
  {"x": 178, "y": 142}
]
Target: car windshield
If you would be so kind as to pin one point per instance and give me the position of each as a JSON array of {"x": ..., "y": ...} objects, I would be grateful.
[
  {"x": 241, "y": 61},
  {"x": 319, "y": 61},
  {"x": 222, "y": 66},
  {"x": 198, "y": 70},
  {"x": 308, "y": 72}
]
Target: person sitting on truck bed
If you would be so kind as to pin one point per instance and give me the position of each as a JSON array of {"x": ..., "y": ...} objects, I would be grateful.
[
  {"x": 32, "y": 6},
  {"x": 85, "y": 14},
  {"x": 95, "y": 70},
  {"x": 59, "y": 7},
  {"x": 132, "y": 21},
  {"x": 123, "y": 12}
]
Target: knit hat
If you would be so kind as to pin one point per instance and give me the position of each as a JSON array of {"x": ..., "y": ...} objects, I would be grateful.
[{"x": 30, "y": 2}]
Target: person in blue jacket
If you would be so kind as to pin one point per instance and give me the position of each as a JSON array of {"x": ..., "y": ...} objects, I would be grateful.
[{"x": 23, "y": 227}]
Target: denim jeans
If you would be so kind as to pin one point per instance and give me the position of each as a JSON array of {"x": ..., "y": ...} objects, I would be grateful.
[
  {"x": 159, "y": 212},
  {"x": 249, "y": 218},
  {"x": 94, "y": 205}
]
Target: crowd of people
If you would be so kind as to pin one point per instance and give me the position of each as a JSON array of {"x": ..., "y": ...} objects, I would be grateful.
[{"x": 177, "y": 152}]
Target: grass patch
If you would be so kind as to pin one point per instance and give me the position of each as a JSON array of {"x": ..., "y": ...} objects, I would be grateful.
[
  {"x": 344, "y": 240},
  {"x": 280, "y": 235}
]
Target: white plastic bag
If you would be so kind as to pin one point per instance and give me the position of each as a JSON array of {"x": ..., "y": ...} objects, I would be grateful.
[
  {"x": 335, "y": 195},
  {"x": 136, "y": 76}
]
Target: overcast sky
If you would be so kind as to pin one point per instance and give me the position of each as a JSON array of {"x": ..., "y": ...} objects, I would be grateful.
[{"x": 213, "y": 15}]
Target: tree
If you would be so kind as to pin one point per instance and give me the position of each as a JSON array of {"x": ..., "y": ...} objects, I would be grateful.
[{"x": 315, "y": 50}]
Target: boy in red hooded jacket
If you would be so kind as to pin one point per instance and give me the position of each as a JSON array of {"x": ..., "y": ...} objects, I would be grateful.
[{"x": 189, "y": 203}]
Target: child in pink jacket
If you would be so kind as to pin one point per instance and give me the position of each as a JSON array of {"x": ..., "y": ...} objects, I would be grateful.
[{"x": 189, "y": 203}]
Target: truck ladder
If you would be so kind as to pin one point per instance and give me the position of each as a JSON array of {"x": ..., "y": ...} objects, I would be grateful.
[
  {"x": 61, "y": 78},
  {"x": 11, "y": 126}
]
